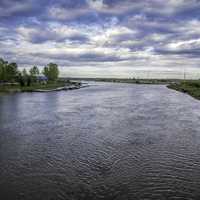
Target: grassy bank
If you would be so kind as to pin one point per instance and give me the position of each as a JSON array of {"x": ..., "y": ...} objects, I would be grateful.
[
  {"x": 191, "y": 87},
  {"x": 32, "y": 88}
]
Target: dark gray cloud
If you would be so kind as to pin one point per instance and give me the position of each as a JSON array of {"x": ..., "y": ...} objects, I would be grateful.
[
  {"x": 16, "y": 8},
  {"x": 77, "y": 58},
  {"x": 39, "y": 34}
]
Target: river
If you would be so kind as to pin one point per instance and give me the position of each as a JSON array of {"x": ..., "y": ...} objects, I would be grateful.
[{"x": 107, "y": 141}]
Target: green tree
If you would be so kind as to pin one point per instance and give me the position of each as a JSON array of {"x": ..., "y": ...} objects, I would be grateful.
[
  {"x": 20, "y": 79},
  {"x": 3, "y": 66},
  {"x": 11, "y": 71},
  {"x": 34, "y": 72},
  {"x": 25, "y": 76},
  {"x": 46, "y": 71},
  {"x": 1, "y": 69},
  {"x": 24, "y": 73},
  {"x": 8, "y": 71},
  {"x": 51, "y": 71}
]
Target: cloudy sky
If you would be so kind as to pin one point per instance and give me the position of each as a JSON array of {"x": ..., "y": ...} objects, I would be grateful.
[{"x": 103, "y": 38}]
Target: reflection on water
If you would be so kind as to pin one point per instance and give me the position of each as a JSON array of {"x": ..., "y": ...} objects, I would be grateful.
[{"x": 108, "y": 141}]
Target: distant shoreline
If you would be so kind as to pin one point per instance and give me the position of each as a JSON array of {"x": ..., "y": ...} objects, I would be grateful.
[{"x": 133, "y": 81}]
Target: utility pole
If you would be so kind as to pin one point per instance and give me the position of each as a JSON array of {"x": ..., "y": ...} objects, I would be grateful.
[
  {"x": 184, "y": 74},
  {"x": 184, "y": 82}
]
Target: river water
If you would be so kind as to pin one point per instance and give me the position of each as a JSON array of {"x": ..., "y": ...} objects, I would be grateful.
[{"x": 107, "y": 141}]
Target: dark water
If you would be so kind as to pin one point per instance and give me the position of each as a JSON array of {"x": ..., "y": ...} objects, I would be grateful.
[{"x": 109, "y": 141}]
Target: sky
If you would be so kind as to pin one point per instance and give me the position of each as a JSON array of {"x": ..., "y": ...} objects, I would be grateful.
[{"x": 104, "y": 38}]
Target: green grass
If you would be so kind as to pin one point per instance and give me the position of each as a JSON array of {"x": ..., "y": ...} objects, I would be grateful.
[
  {"x": 18, "y": 88},
  {"x": 191, "y": 87}
]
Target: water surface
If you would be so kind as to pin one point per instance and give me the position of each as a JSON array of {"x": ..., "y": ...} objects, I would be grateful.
[{"x": 107, "y": 141}]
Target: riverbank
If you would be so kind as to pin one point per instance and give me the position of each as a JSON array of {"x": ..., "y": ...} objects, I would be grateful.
[
  {"x": 58, "y": 86},
  {"x": 191, "y": 87},
  {"x": 133, "y": 81}
]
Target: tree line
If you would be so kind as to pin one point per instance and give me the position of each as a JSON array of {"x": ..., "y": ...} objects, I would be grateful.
[{"x": 9, "y": 72}]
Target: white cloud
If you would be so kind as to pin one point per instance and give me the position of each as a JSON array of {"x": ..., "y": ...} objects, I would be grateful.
[
  {"x": 59, "y": 13},
  {"x": 96, "y": 4},
  {"x": 184, "y": 45}
]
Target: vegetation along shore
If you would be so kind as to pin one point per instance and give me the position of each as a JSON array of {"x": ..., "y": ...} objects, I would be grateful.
[
  {"x": 191, "y": 87},
  {"x": 34, "y": 80}
]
